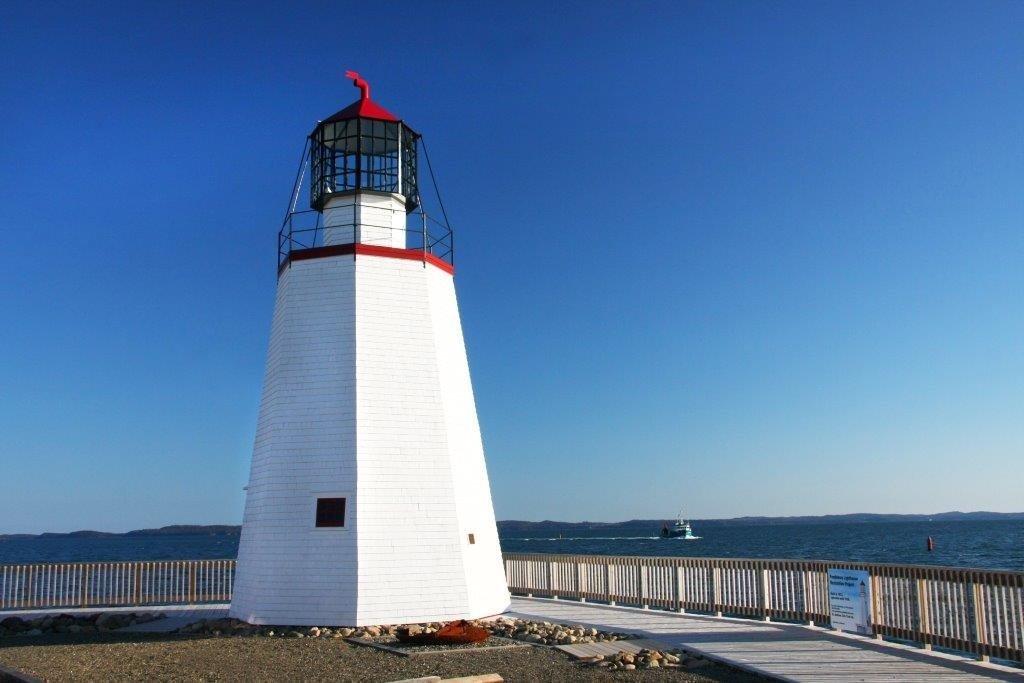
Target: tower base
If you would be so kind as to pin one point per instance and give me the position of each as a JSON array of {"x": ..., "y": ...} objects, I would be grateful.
[{"x": 367, "y": 398}]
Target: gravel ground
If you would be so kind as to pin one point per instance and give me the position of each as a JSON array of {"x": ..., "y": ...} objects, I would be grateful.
[{"x": 132, "y": 657}]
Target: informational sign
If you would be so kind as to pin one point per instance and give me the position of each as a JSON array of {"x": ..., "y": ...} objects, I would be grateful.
[{"x": 849, "y": 600}]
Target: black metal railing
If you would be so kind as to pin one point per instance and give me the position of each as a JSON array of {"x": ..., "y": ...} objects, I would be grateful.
[{"x": 307, "y": 230}]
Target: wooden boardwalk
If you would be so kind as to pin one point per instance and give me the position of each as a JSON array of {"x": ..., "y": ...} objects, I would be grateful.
[
  {"x": 780, "y": 651},
  {"x": 609, "y": 649}
]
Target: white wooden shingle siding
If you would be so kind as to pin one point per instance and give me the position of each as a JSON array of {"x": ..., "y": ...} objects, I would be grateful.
[
  {"x": 367, "y": 218},
  {"x": 367, "y": 396}
]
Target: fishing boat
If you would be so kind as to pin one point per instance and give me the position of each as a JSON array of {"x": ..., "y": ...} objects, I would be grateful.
[{"x": 680, "y": 529}]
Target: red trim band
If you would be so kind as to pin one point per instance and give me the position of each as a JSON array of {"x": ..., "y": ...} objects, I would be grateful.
[{"x": 367, "y": 250}]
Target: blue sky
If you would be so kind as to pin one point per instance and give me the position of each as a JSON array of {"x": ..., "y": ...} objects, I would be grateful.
[{"x": 750, "y": 258}]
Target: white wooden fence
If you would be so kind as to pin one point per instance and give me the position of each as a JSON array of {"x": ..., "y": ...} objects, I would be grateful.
[
  {"x": 971, "y": 610},
  {"x": 975, "y": 611},
  {"x": 37, "y": 586}
]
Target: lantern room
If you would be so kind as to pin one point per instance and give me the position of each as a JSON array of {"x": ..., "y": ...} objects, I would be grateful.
[
  {"x": 362, "y": 148},
  {"x": 359, "y": 168}
]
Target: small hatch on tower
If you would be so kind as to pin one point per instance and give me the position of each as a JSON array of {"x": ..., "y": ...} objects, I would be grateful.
[{"x": 330, "y": 512}]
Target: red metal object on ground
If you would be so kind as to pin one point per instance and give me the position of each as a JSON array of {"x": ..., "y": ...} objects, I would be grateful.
[{"x": 455, "y": 633}]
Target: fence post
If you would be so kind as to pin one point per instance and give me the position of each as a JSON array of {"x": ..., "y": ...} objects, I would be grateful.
[
  {"x": 980, "y": 630},
  {"x": 579, "y": 581},
  {"x": 876, "y": 605},
  {"x": 716, "y": 591},
  {"x": 191, "y": 581},
  {"x": 84, "y": 588},
  {"x": 924, "y": 626},
  {"x": 680, "y": 601},
  {"x": 551, "y": 580},
  {"x": 765, "y": 595},
  {"x": 137, "y": 583},
  {"x": 805, "y": 580},
  {"x": 641, "y": 574},
  {"x": 608, "y": 582}
]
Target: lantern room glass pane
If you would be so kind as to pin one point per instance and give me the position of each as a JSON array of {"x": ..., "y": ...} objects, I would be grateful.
[{"x": 363, "y": 154}]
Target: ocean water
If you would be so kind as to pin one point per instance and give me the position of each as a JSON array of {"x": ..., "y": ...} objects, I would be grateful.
[{"x": 992, "y": 545}]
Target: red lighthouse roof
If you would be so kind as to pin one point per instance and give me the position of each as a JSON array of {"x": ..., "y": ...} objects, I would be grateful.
[{"x": 364, "y": 107}]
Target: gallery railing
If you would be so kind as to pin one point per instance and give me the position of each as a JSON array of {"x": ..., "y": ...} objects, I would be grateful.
[
  {"x": 971, "y": 610},
  {"x": 373, "y": 225}
]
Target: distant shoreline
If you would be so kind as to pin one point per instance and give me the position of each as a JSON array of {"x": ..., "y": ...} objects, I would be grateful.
[{"x": 519, "y": 526}]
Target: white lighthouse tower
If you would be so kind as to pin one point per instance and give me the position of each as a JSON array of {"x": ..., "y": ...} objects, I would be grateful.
[{"x": 368, "y": 500}]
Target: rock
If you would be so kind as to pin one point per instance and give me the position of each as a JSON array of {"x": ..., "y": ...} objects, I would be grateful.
[
  {"x": 313, "y": 632},
  {"x": 73, "y": 628},
  {"x": 109, "y": 620},
  {"x": 14, "y": 624},
  {"x": 372, "y": 631},
  {"x": 32, "y": 632},
  {"x": 346, "y": 632},
  {"x": 629, "y": 667},
  {"x": 653, "y": 664},
  {"x": 671, "y": 658},
  {"x": 294, "y": 634}
]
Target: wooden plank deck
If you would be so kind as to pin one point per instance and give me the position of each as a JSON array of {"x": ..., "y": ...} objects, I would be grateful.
[
  {"x": 780, "y": 651},
  {"x": 608, "y": 649}
]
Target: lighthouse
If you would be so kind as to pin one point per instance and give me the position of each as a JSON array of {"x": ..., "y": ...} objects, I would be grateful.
[{"x": 368, "y": 499}]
